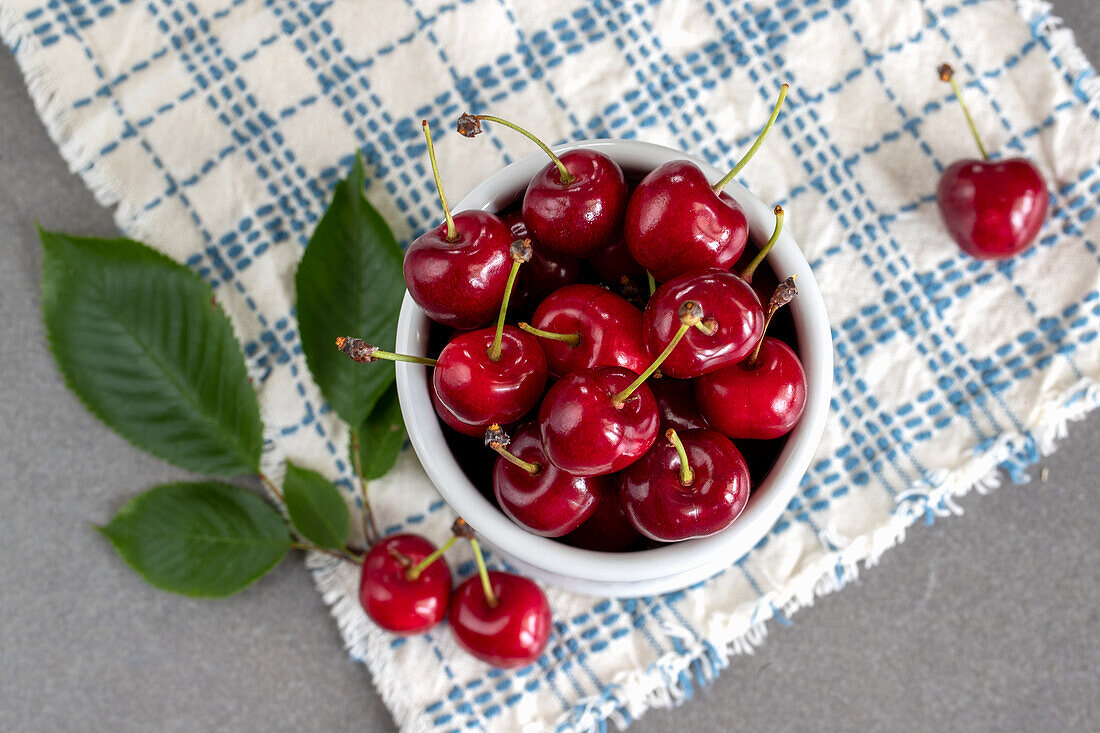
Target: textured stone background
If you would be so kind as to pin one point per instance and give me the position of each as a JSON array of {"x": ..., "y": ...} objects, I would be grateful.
[{"x": 987, "y": 622}]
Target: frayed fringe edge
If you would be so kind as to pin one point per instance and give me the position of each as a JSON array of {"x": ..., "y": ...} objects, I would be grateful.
[
  {"x": 629, "y": 695},
  {"x": 1039, "y": 15}
]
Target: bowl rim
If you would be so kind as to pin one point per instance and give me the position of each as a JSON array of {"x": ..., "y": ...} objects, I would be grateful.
[{"x": 768, "y": 500}]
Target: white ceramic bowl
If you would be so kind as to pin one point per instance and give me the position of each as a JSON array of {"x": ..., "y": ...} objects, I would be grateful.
[{"x": 670, "y": 567}]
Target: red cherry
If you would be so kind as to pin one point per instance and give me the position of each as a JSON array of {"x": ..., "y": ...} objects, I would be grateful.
[
  {"x": 608, "y": 529},
  {"x": 605, "y": 330},
  {"x": 731, "y": 311},
  {"x": 457, "y": 272},
  {"x": 511, "y": 633},
  {"x": 675, "y": 223},
  {"x": 676, "y": 404},
  {"x": 390, "y": 598},
  {"x": 452, "y": 420},
  {"x": 533, "y": 492},
  {"x": 586, "y": 433},
  {"x": 992, "y": 209},
  {"x": 478, "y": 391},
  {"x": 763, "y": 400},
  {"x": 574, "y": 205},
  {"x": 695, "y": 489},
  {"x": 544, "y": 274},
  {"x": 613, "y": 262}
]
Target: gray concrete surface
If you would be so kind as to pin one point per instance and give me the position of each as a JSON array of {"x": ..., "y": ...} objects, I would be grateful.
[{"x": 988, "y": 621}]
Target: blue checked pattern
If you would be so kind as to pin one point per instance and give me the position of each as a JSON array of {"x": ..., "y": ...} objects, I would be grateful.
[{"x": 219, "y": 127}]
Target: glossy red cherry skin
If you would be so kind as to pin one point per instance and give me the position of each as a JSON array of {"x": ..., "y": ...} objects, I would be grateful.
[
  {"x": 724, "y": 298},
  {"x": 613, "y": 261},
  {"x": 993, "y": 209},
  {"x": 578, "y": 218},
  {"x": 675, "y": 223},
  {"x": 460, "y": 284},
  {"x": 608, "y": 529},
  {"x": 452, "y": 420},
  {"x": 477, "y": 391},
  {"x": 760, "y": 403},
  {"x": 544, "y": 273},
  {"x": 676, "y": 404},
  {"x": 393, "y": 601},
  {"x": 511, "y": 634},
  {"x": 663, "y": 509},
  {"x": 609, "y": 326},
  {"x": 551, "y": 503},
  {"x": 585, "y": 434}
]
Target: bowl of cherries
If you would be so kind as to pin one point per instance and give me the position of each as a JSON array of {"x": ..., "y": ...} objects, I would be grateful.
[{"x": 613, "y": 363}]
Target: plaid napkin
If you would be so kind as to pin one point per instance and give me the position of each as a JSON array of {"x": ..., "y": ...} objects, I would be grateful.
[{"x": 218, "y": 128}]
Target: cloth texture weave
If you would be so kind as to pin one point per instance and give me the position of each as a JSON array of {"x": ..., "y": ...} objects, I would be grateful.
[{"x": 219, "y": 127}]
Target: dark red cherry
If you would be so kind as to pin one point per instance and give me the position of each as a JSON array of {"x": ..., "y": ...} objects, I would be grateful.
[
  {"x": 607, "y": 330},
  {"x": 460, "y": 283},
  {"x": 479, "y": 391},
  {"x": 760, "y": 401},
  {"x": 512, "y": 633},
  {"x": 675, "y": 223},
  {"x": 731, "y": 311},
  {"x": 390, "y": 598},
  {"x": 608, "y": 529},
  {"x": 452, "y": 420},
  {"x": 613, "y": 262},
  {"x": 666, "y": 507},
  {"x": 585, "y": 432},
  {"x": 993, "y": 209},
  {"x": 676, "y": 403},
  {"x": 539, "y": 496},
  {"x": 545, "y": 273},
  {"x": 573, "y": 206}
]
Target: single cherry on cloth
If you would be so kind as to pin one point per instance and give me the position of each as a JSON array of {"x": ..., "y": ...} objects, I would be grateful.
[
  {"x": 535, "y": 493},
  {"x": 992, "y": 209},
  {"x": 545, "y": 273},
  {"x": 608, "y": 529},
  {"x": 764, "y": 396},
  {"x": 573, "y": 206},
  {"x": 457, "y": 271},
  {"x": 406, "y": 584},
  {"x": 586, "y": 326},
  {"x": 695, "y": 484},
  {"x": 676, "y": 404},
  {"x": 500, "y": 618},
  {"x": 601, "y": 420},
  {"x": 491, "y": 375},
  {"x": 676, "y": 221}
]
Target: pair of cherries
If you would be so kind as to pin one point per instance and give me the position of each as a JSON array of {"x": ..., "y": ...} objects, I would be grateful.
[{"x": 500, "y": 618}]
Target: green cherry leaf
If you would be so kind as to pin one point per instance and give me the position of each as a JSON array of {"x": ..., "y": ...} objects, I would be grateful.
[
  {"x": 138, "y": 339},
  {"x": 381, "y": 437},
  {"x": 316, "y": 507},
  {"x": 349, "y": 283},
  {"x": 205, "y": 539}
]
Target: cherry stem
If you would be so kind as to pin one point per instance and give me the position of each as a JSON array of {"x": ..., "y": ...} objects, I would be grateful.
[
  {"x": 570, "y": 338},
  {"x": 756, "y": 145},
  {"x": 708, "y": 326},
  {"x": 565, "y": 176},
  {"x": 747, "y": 273},
  {"x": 948, "y": 74},
  {"x": 413, "y": 573},
  {"x": 272, "y": 487},
  {"x": 370, "y": 529},
  {"x": 687, "y": 476},
  {"x": 452, "y": 233},
  {"x": 521, "y": 252},
  {"x": 359, "y": 350},
  {"x": 690, "y": 314},
  {"x": 490, "y": 596},
  {"x": 782, "y": 295},
  {"x": 499, "y": 440},
  {"x": 652, "y": 282}
]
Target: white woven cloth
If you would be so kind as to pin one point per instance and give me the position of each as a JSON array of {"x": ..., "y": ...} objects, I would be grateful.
[{"x": 218, "y": 128}]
